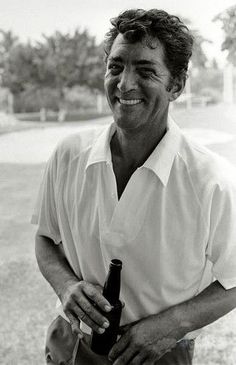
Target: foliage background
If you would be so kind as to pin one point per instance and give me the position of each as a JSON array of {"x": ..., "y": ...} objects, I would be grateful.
[{"x": 64, "y": 71}]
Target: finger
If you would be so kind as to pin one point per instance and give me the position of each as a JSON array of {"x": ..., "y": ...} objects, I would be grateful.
[
  {"x": 119, "y": 347},
  {"x": 99, "y": 288},
  {"x": 91, "y": 313},
  {"x": 139, "y": 359},
  {"x": 74, "y": 307},
  {"x": 150, "y": 361},
  {"x": 126, "y": 357},
  {"x": 75, "y": 311},
  {"x": 75, "y": 325},
  {"x": 81, "y": 315},
  {"x": 152, "y": 358},
  {"x": 92, "y": 293}
]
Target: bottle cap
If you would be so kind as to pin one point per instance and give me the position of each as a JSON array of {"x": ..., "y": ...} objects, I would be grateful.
[{"x": 117, "y": 263}]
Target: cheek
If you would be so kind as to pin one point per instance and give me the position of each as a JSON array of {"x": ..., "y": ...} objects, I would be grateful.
[
  {"x": 158, "y": 93},
  {"x": 158, "y": 99},
  {"x": 109, "y": 85},
  {"x": 106, "y": 86}
]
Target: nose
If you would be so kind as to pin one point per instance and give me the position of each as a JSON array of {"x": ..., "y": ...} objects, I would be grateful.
[{"x": 127, "y": 81}]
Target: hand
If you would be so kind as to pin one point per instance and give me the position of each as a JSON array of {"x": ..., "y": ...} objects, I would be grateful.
[
  {"x": 146, "y": 341},
  {"x": 81, "y": 301}
]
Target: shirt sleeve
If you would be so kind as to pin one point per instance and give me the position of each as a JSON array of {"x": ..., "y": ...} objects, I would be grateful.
[
  {"x": 221, "y": 248},
  {"x": 45, "y": 211}
]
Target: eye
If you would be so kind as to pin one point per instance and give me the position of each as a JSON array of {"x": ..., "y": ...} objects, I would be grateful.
[
  {"x": 146, "y": 72},
  {"x": 114, "y": 69}
]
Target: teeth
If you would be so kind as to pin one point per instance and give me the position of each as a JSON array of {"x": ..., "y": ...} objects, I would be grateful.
[{"x": 130, "y": 102}]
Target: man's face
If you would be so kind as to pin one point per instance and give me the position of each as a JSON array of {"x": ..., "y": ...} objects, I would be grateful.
[{"x": 136, "y": 83}]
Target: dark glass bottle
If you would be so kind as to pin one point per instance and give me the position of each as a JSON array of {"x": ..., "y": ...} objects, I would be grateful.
[{"x": 102, "y": 343}]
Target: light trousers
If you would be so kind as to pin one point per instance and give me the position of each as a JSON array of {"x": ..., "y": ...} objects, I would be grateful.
[{"x": 64, "y": 348}]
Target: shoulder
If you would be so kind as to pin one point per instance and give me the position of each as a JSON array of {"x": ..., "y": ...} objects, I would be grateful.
[
  {"x": 74, "y": 145},
  {"x": 205, "y": 167}
]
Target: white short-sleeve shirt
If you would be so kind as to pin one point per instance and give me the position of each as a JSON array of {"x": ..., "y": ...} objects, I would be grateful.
[{"x": 173, "y": 228}]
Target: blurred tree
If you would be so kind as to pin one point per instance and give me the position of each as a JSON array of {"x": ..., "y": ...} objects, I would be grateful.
[
  {"x": 57, "y": 63},
  {"x": 205, "y": 77},
  {"x": 199, "y": 58},
  {"x": 65, "y": 60},
  {"x": 16, "y": 62},
  {"x": 96, "y": 70},
  {"x": 7, "y": 41},
  {"x": 19, "y": 71},
  {"x": 228, "y": 21},
  {"x": 208, "y": 82},
  {"x": 214, "y": 64}
]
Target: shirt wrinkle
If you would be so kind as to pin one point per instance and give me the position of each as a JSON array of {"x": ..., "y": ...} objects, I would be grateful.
[
  {"x": 159, "y": 227},
  {"x": 198, "y": 199}
]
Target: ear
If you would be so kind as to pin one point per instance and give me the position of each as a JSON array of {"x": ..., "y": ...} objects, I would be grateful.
[{"x": 176, "y": 88}]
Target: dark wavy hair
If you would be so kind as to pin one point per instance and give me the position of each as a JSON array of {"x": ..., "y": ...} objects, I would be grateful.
[{"x": 140, "y": 25}]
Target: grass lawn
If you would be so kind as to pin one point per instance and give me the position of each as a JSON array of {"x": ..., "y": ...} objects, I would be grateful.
[{"x": 27, "y": 301}]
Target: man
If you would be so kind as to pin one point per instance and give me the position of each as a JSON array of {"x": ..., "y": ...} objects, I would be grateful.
[{"x": 142, "y": 192}]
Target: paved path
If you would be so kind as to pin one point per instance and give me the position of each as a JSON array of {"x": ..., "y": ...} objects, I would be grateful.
[{"x": 35, "y": 145}]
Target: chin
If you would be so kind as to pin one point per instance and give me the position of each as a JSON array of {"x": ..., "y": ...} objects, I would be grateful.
[{"x": 126, "y": 124}]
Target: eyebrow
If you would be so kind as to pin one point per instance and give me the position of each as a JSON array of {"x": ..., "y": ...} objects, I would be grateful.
[{"x": 139, "y": 62}]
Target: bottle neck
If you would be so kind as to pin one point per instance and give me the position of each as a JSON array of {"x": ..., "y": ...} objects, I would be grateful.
[{"x": 111, "y": 289}]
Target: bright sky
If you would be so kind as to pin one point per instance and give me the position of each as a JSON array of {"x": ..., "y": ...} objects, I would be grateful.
[{"x": 30, "y": 18}]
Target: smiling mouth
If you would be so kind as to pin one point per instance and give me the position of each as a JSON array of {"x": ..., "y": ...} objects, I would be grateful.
[{"x": 129, "y": 101}]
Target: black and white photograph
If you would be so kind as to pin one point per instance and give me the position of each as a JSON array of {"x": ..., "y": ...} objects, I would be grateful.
[{"x": 118, "y": 182}]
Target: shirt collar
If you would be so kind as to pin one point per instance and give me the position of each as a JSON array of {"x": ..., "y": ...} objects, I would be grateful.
[
  {"x": 101, "y": 151},
  {"x": 161, "y": 159}
]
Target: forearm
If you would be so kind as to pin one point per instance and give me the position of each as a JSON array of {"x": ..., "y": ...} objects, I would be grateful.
[
  {"x": 208, "y": 306},
  {"x": 53, "y": 264}
]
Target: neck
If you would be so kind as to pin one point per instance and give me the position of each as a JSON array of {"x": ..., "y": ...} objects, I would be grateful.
[{"x": 134, "y": 147}]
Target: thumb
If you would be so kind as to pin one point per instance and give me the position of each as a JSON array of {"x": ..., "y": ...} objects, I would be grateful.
[
  {"x": 75, "y": 326},
  {"x": 99, "y": 288}
]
